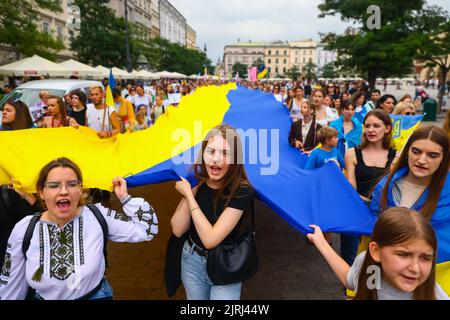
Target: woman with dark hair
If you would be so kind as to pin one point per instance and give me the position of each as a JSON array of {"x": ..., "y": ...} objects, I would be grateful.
[
  {"x": 419, "y": 179},
  {"x": 65, "y": 258},
  {"x": 15, "y": 116},
  {"x": 366, "y": 164},
  {"x": 14, "y": 204},
  {"x": 358, "y": 100},
  {"x": 387, "y": 102},
  {"x": 212, "y": 212},
  {"x": 78, "y": 110},
  {"x": 348, "y": 127}
]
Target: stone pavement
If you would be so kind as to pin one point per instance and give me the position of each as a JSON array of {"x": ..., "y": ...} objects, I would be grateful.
[{"x": 289, "y": 267}]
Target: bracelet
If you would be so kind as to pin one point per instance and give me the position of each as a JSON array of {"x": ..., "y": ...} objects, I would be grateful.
[
  {"x": 194, "y": 209},
  {"x": 125, "y": 199}
]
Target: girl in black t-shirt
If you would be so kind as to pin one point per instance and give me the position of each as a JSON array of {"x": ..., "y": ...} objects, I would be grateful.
[{"x": 212, "y": 212}]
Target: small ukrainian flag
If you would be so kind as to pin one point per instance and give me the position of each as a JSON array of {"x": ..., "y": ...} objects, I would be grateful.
[{"x": 262, "y": 72}]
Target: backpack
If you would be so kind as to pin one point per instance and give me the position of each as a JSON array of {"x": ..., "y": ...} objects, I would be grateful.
[
  {"x": 37, "y": 216},
  {"x": 29, "y": 234}
]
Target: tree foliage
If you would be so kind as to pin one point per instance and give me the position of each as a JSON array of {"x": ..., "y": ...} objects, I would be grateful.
[
  {"x": 241, "y": 68},
  {"x": 293, "y": 73},
  {"x": 309, "y": 70},
  {"x": 18, "y": 27},
  {"x": 329, "y": 71},
  {"x": 380, "y": 52}
]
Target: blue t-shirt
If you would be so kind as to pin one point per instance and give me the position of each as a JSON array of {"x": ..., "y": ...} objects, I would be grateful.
[{"x": 319, "y": 157}]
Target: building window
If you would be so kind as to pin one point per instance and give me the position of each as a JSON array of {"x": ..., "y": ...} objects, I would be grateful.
[
  {"x": 284, "y": 70},
  {"x": 269, "y": 61},
  {"x": 276, "y": 60},
  {"x": 284, "y": 61},
  {"x": 285, "y": 52},
  {"x": 304, "y": 60},
  {"x": 310, "y": 52},
  {"x": 60, "y": 33},
  {"x": 276, "y": 70},
  {"x": 269, "y": 70},
  {"x": 310, "y": 59},
  {"x": 277, "y": 53},
  {"x": 270, "y": 52},
  {"x": 46, "y": 26},
  {"x": 296, "y": 60}
]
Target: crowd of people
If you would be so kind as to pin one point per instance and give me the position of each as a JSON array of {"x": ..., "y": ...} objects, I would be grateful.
[{"x": 348, "y": 126}]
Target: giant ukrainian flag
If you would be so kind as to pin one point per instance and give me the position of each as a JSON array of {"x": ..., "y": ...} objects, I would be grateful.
[{"x": 166, "y": 150}]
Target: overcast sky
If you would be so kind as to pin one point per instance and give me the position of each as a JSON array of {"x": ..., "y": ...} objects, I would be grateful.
[{"x": 222, "y": 22}]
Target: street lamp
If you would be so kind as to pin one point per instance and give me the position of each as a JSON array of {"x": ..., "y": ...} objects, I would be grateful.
[
  {"x": 127, "y": 42},
  {"x": 142, "y": 62}
]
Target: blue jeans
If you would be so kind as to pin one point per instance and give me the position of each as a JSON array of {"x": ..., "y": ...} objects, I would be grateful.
[
  {"x": 104, "y": 293},
  {"x": 349, "y": 247},
  {"x": 196, "y": 282}
]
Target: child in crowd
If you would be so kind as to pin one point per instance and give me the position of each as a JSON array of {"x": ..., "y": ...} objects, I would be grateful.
[
  {"x": 328, "y": 137},
  {"x": 400, "y": 263}
]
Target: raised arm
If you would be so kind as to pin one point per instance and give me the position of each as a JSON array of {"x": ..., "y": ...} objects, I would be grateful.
[
  {"x": 337, "y": 264},
  {"x": 181, "y": 219},
  {"x": 350, "y": 164}
]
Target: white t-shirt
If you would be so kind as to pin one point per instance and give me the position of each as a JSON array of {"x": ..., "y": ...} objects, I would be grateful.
[
  {"x": 95, "y": 118},
  {"x": 137, "y": 100},
  {"x": 386, "y": 292}
]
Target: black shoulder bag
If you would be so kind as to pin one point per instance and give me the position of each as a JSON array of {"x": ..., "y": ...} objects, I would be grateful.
[{"x": 235, "y": 261}]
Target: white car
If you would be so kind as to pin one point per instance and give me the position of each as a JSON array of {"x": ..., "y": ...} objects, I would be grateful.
[{"x": 29, "y": 91}]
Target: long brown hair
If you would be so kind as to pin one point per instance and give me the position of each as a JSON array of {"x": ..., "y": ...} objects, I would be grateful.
[
  {"x": 62, "y": 110},
  {"x": 23, "y": 118},
  {"x": 393, "y": 227},
  {"x": 386, "y": 119},
  {"x": 447, "y": 123},
  {"x": 440, "y": 137},
  {"x": 236, "y": 176},
  {"x": 58, "y": 163}
]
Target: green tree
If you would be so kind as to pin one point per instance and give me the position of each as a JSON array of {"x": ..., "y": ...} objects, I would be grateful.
[
  {"x": 18, "y": 27},
  {"x": 329, "y": 71},
  {"x": 382, "y": 52},
  {"x": 432, "y": 41},
  {"x": 309, "y": 70},
  {"x": 258, "y": 63},
  {"x": 293, "y": 73},
  {"x": 101, "y": 39},
  {"x": 241, "y": 68}
]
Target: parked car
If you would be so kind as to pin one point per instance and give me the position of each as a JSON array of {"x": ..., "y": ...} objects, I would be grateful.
[{"x": 29, "y": 91}]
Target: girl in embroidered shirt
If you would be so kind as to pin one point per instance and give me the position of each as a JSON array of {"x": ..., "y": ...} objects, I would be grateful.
[
  {"x": 399, "y": 264},
  {"x": 65, "y": 259}
]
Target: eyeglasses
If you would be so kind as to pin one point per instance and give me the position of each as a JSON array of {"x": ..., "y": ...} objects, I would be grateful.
[
  {"x": 57, "y": 185},
  {"x": 410, "y": 114}
]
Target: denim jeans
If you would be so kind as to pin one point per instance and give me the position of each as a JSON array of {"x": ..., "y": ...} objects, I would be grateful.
[
  {"x": 104, "y": 293},
  {"x": 349, "y": 247},
  {"x": 196, "y": 282}
]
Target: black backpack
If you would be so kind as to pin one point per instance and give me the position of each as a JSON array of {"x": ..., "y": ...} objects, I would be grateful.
[
  {"x": 37, "y": 216},
  {"x": 29, "y": 234}
]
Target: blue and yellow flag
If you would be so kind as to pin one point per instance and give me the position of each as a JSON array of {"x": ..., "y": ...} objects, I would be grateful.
[
  {"x": 111, "y": 85},
  {"x": 321, "y": 196},
  {"x": 262, "y": 72},
  {"x": 402, "y": 128}
]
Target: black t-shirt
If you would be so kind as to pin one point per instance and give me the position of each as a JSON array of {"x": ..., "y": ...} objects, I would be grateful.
[
  {"x": 205, "y": 196},
  {"x": 79, "y": 116}
]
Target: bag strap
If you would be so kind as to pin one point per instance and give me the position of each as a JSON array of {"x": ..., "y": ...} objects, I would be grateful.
[
  {"x": 5, "y": 196},
  {"x": 253, "y": 213},
  {"x": 29, "y": 233},
  {"x": 101, "y": 220}
]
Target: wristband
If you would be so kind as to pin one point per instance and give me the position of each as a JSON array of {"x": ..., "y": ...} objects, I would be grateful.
[{"x": 194, "y": 209}]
